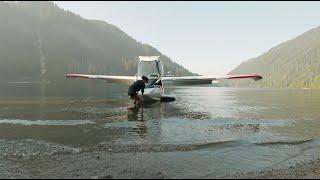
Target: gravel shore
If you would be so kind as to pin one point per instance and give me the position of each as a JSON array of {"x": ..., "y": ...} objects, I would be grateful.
[{"x": 307, "y": 170}]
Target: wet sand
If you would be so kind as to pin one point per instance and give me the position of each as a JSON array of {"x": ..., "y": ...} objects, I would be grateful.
[
  {"x": 40, "y": 159},
  {"x": 306, "y": 170},
  {"x": 100, "y": 165}
]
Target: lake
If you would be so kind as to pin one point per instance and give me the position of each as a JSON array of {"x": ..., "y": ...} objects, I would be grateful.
[{"x": 207, "y": 132}]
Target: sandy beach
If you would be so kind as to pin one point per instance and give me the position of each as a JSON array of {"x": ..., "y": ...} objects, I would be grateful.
[
  {"x": 307, "y": 170},
  {"x": 96, "y": 165}
]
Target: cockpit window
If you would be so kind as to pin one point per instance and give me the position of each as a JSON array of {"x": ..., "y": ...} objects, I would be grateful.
[
  {"x": 151, "y": 69},
  {"x": 151, "y": 83}
]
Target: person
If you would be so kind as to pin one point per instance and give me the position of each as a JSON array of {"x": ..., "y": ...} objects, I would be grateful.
[{"x": 136, "y": 87}]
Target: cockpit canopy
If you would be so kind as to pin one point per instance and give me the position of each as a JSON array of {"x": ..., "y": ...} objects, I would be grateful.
[{"x": 150, "y": 66}]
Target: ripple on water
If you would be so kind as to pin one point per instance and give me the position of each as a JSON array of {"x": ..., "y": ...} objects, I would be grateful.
[
  {"x": 28, "y": 148},
  {"x": 46, "y": 122},
  {"x": 185, "y": 131}
]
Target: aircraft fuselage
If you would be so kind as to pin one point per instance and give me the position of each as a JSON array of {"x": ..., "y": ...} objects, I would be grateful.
[{"x": 153, "y": 69}]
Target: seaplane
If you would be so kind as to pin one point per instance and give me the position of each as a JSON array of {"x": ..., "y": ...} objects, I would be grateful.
[{"x": 152, "y": 67}]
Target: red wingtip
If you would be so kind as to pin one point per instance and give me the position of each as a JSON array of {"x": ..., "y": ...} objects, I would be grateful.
[{"x": 255, "y": 77}]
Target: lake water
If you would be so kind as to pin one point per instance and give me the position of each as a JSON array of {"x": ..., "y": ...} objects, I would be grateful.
[{"x": 207, "y": 132}]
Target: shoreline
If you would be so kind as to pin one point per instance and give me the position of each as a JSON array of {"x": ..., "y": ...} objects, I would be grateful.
[
  {"x": 134, "y": 163},
  {"x": 303, "y": 170}
]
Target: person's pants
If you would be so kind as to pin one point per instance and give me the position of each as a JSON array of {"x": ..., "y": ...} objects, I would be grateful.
[{"x": 137, "y": 101}]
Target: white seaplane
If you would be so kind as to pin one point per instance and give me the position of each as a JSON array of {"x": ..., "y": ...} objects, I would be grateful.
[{"x": 152, "y": 67}]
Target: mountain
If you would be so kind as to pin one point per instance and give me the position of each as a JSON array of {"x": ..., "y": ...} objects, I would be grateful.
[
  {"x": 292, "y": 64},
  {"x": 40, "y": 42}
]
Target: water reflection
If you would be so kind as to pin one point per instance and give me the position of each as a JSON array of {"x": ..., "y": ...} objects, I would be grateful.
[
  {"x": 147, "y": 119},
  {"x": 136, "y": 114}
]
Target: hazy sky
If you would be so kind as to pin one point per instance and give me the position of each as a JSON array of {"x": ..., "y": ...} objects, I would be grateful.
[{"x": 210, "y": 38}]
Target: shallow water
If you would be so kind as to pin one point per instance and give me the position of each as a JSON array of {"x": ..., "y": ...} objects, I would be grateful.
[{"x": 206, "y": 132}]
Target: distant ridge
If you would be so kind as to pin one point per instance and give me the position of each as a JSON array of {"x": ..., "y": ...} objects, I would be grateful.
[
  {"x": 292, "y": 64},
  {"x": 40, "y": 42}
]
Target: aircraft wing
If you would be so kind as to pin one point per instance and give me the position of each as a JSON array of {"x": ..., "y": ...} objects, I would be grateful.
[
  {"x": 111, "y": 79},
  {"x": 193, "y": 80}
]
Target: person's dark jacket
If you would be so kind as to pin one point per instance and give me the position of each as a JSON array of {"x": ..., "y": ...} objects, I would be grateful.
[{"x": 135, "y": 87}]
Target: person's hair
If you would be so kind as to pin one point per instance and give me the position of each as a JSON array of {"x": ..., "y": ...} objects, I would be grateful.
[{"x": 144, "y": 78}]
